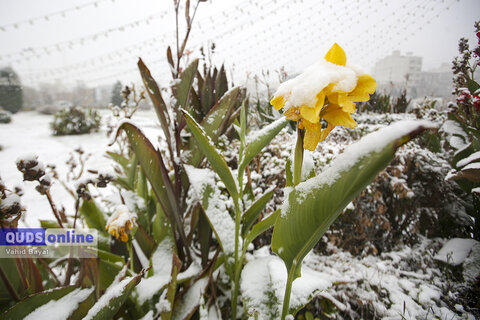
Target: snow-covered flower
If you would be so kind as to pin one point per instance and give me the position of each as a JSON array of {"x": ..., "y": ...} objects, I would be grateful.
[
  {"x": 326, "y": 90},
  {"x": 120, "y": 222}
]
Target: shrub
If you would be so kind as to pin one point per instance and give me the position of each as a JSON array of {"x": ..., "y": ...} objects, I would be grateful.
[
  {"x": 11, "y": 94},
  {"x": 75, "y": 120},
  {"x": 5, "y": 116}
]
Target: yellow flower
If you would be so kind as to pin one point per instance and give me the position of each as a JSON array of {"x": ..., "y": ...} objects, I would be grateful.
[
  {"x": 120, "y": 222},
  {"x": 327, "y": 90}
]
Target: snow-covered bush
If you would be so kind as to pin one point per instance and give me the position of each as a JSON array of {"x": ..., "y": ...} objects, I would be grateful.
[
  {"x": 5, "y": 116},
  {"x": 75, "y": 120}
]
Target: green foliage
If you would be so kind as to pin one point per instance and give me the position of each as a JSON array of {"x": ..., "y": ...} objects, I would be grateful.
[
  {"x": 11, "y": 92},
  {"x": 75, "y": 120},
  {"x": 378, "y": 103},
  {"x": 400, "y": 104},
  {"x": 312, "y": 206}
]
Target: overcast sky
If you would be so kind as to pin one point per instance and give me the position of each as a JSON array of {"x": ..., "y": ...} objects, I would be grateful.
[{"x": 98, "y": 42}]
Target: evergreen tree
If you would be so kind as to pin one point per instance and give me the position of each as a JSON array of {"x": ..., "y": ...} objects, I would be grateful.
[
  {"x": 116, "y": 98},
  {"x": 11, "y": 94}
]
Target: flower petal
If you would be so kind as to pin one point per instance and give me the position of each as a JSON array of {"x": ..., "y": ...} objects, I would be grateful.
[
  {"x": 326, "y": 131},
  {"x": 366, "y": 85},
  {"x": 311, "y": 114},
  {"x": 334, "y": 115},
  {"x": 278, "y": 102},
  {"x": 336, "y": 55},
  {"x": 312, "y": 135},
  {"x": 292, "y": 114}
]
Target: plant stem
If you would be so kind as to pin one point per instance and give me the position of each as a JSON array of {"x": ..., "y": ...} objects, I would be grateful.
[
  {"x": 130, "y": 253},
  {"x": 288, "y": 291},
  {"x": 237, "y": 266},
  {"x": 298, "y": 160}
]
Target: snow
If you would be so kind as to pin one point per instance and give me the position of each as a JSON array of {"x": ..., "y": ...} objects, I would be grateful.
[
  {"x": 191, "y": 299},
  {"x": 115, "y": 290},
  {"x": 202, "y": 181},
  {"x": 121, "y": 217},
  {"x": 473, "y": 157},
  {"x": 472, "y": 166},
  {"x": 162, "y": 269},
  {"x": 455, "y": 251},
  {"x": 266, "y": 276},
  {"x": 303, "y": 89},
  {"x": 55, "y": 150},
  {"x": 373, "y": 142},
  {"x": 62, "y": 308},
  {"x": 255, "y": 135}
]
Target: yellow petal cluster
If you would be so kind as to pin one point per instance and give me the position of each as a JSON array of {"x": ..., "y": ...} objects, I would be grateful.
[
  {"x": 120, "y": 222},
  {"x": 328, "y": 90}
]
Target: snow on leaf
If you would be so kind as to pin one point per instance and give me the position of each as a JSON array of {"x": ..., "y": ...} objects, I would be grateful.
[{"x": 63, "y": 307}]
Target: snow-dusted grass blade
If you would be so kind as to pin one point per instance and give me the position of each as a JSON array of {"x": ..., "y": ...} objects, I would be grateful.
[
  {"x": 312, "y": 206},
  {"x": 214, "y": 124},
  {"x": 257, "y": 141},
  {"x": 214, "y": 157}
]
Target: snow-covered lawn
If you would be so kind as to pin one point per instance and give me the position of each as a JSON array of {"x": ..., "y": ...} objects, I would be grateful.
[{"x": 30, "y": 133}]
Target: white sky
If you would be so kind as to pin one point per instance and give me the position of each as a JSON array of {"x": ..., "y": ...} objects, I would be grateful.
[{"x": 250, "y": 35}]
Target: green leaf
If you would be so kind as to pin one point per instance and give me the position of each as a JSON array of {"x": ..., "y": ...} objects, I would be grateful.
[
  {"x": 216, "y": 160},
  {"x": 49, "y": 224},
  {"x": 206, "y": 94},
  {"x": 258, "y": 140},
  {"x": 312, "y": 206},
  {"x": 251, "y": 214},
  {"x": 29, "y": 304},
  {"x": 203, "y": 183},
  {"x": 221, "y": 83},
  {"x": 157, "y": 174},
  {"x": 473, "y": 86},
  {"x": 182, "y": 89},
  {"x": 115, "y": 296},
  {"x": 121, "y": 160},
  {"x": 214, "y": 124},
  {"x": 94, "y": 217},
  {"x": 260, "y": 228},
  {"x": 156, "y": 96}
]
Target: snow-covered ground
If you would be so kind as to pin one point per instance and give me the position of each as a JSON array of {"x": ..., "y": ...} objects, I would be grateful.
[{"x": 29, "y": 132}]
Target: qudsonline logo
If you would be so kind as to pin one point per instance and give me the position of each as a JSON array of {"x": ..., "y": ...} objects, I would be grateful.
[{"x": 48, "y": 243}]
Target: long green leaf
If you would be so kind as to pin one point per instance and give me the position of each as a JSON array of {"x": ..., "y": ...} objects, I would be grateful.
[
  {"x": 111, "y": 301},
  {"x": 206, "y": 192},
  {"x": 257, "y": 141},
  {"x": 182, "y": 89},
  {"x": 214, "y": 157},
  {"x": 251, "y": 214},
  {"x": 154, "y": 168},
  {"x": 94, "y": 217},
  {"x": 312, "y": 206},
  {"x": 26, "y": 306},
  {"x": 214, "y": 124},
  {"x": 156, "y": 96},
  {"x": 260, "y": 228}
]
